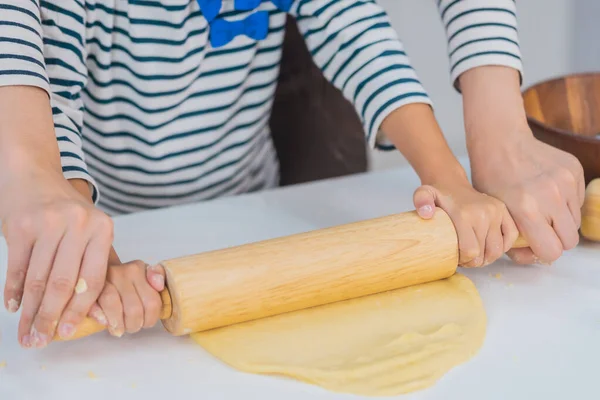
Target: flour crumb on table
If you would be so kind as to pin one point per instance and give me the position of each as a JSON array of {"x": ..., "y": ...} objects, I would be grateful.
[
  {"x": 2, "y": 364},
  {"x": 133, "y": 386},
  {"x": 498, "y": 275},
  {"x": 43, "y": 367},
  {"x": 91, "y": 375}
]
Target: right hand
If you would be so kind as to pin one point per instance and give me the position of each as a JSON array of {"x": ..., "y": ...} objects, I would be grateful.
[
  {"x": 483, "y": 225},
  {"x": 58, "y": 248}
]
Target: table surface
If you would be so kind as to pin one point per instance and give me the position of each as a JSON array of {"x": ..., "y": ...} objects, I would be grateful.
[{"x": 543, "y": 322}]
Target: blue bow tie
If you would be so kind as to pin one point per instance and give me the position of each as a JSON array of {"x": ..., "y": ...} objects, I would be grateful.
[
  {"x": 255, "y": 26},
  {"x": 283, "y": 5},
  {"x": 211, "y": 8}
]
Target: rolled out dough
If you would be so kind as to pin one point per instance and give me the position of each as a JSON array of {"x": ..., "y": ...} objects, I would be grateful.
[{"x": 381, "y": 345}]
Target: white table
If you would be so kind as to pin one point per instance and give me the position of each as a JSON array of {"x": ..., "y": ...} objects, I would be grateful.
[{"x": 543, "y": 339}]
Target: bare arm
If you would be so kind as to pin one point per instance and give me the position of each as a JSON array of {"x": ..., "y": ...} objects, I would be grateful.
[
  {"x": 27, "y": 140},
  {"x": 51, "y": 227},
  {"x": 543, "y": 187}
]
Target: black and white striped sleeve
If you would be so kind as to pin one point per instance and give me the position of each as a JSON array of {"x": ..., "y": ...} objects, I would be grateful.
[
  {"x": 42, "y": 43},
  {"x": 21, "y": 45},
  {"x": 480, "y": 33}
]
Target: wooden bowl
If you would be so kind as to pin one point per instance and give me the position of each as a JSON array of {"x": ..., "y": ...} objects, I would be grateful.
[{"x": 565, "y": 113}]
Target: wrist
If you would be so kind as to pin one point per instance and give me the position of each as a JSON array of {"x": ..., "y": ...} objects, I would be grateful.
[
  {"x": 493, "y": 106},
  {"x": 83, "y": 188},
  {"x": 18, "y": 166},
  {"x": 450, "y": 173}
]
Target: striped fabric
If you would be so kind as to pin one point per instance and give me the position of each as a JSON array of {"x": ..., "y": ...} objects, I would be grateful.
[{"x": 151, "y": 115}]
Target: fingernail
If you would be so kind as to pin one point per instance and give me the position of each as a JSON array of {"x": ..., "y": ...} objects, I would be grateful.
[
  {"x": 425, "y": 209},
  {"x": 112, "y": 329},
  {"x": 13, "y": 306},
  {"x": 158, "y": 280},
  {"x": 26, "y": 341},
  {"x": 65, "y": 331},
  {"x": 38, "y": 340},
  {"x": 100, "y": 317},
  {"x": 539, "y": 261}
]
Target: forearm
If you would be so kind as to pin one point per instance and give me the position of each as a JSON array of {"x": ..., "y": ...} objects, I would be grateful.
[
  {"x": 417, "y": 135},
  {"x": 27, "y": 140},
  {"x": 83, "y": 187},
  {"x": 492, "y": 104}
]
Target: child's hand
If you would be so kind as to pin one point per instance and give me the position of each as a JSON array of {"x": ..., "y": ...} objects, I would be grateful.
[
  {"x": 483, "y": 224},
  {"x": 130, "y": 299}
]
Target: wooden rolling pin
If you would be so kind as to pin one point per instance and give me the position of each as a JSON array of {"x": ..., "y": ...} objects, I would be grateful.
[
  {"x": 590, "y": 213},
  {"x": 276, "y": 276}
]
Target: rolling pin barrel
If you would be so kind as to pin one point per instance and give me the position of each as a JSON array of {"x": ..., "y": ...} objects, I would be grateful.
[{"x": 263, "y": 279}]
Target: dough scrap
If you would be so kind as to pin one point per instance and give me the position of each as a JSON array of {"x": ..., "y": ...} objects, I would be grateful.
[
  {"x": 81, "y": 286},
  {"x": 381, "y": 345}
]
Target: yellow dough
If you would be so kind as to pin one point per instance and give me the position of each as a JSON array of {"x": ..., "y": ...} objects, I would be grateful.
[{"x": 381, "y": 345}]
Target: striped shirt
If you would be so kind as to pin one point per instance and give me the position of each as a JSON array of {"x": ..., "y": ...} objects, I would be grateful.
[{"x": 152, "y": 115}]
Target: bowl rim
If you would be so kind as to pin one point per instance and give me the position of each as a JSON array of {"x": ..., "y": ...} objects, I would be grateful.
[{"x": 551, "y": 129}]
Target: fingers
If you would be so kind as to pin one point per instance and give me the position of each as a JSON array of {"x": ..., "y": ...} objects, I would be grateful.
[
  {"x": 510, "y": 233},
  {"x": 565, "y": 211},
  {"x": 133, "y": 309},
  {"x": 131, "y": 298},
  {"x": 523, "y": 256},
  {"x": 494, "y": 245},
  {"x": 61, "y": 284},
  {"x": 19, "y": 253},
  {"x": 110, "y": 302},
  {"x": 537, "y": 230},
  {"x": 41, "y": 261},
  {"x": 98, "y": 315},
  {"x": 468, "y": 244},
  {"x": 566, "y": 229},
  {"x": 575, "y": 212},
  {"x": 91, "y": 277},
  {"x": 424, "y": 200},
  {"x": 156, "y": 277},
  {"x": 574, "y": 196},
  {"x": 480, "y": 231},
  {"x": 150, "y": 298}
]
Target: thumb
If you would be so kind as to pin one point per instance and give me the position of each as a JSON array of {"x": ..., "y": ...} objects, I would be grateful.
[
  {"x": 156, "y": 277},
  {"x": 424, "y": 201}
]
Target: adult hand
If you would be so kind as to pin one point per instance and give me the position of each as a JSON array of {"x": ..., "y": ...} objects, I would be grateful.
[
  {"x": 58, "y": 247},
  {"x": 543, "y": 187}
]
